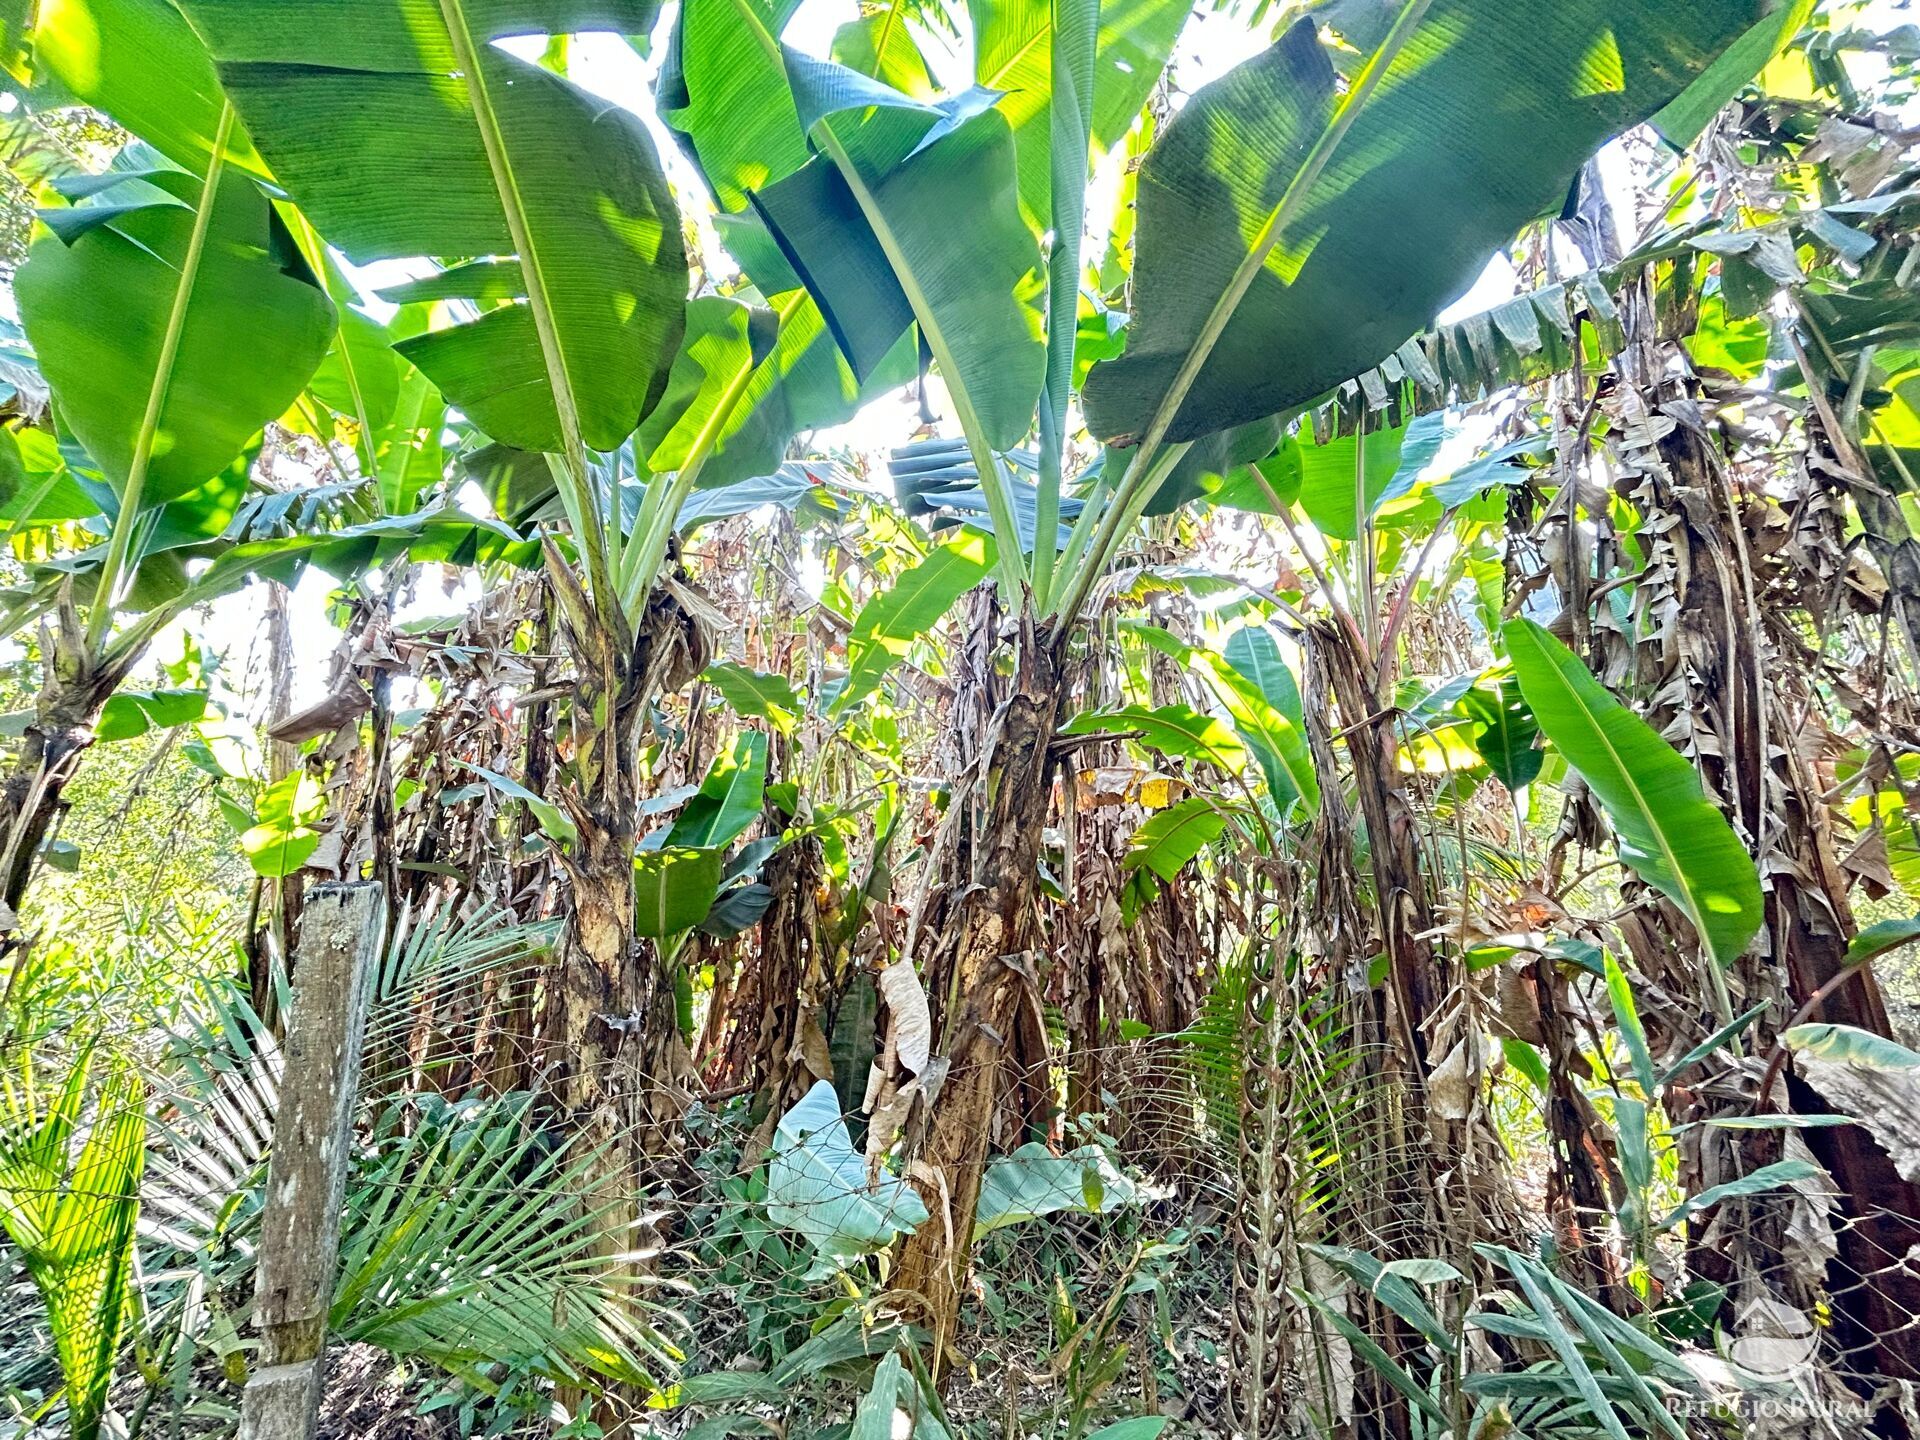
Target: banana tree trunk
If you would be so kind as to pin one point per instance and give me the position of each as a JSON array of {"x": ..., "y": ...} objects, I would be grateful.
[
  {"x": 74, "y": 688},
  {"x": 1771, "y": 784},
  {"x": 983, "y": 975},
  {"x": 616, "y": 1067},
  {"x": 789, "y": 1007}
]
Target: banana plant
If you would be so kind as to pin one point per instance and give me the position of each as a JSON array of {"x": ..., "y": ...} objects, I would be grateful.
[
  {"x": 1273, "y": 259},
  {"x": 565, "y": 335},
  {"x": 133, "y": 294},
  {"x": 136, "y": 285}
]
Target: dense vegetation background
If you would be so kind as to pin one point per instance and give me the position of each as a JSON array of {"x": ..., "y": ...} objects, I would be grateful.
[{"x": 1079, "y": 720}]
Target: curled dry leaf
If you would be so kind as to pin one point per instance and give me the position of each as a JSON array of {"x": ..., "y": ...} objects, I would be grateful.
[
  {"x": 334, "y": 712},
  {"x": 1450, "y": 1086},
  {"x": 912, "y": 1020}
]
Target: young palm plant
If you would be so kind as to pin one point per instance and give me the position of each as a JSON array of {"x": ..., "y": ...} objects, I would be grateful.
[{"x": 71, "y": 1157}]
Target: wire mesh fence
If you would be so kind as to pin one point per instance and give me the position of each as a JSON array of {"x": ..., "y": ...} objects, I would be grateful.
[{"x": 1298, "y": 1255}]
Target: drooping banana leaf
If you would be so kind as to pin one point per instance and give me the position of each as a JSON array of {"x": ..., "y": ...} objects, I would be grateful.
[
  {"x": 727, "y": 96},
  {"x": 1670, "y": 834},
  {"x": 724, "y": 341},
  {"x": 911, "y": 216},
  {"x": 408, "y": 456},
  {"x": 747, "y": 379},
  {"x": 401, "y": 131},
  {"x": 97, "y": 295},
  {"x": 1682, "y": 120},
  {"x": 1476, "y": 127},
  {"x": 359, "y": 377},
  {"x": 140, "y": 62}
]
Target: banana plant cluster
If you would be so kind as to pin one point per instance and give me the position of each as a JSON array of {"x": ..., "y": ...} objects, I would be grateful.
[{"x": 1286, "y": 232}]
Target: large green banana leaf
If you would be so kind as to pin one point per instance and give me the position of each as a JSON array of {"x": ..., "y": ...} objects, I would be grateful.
[
  {"x": 726, "y": 94},
  {"x": 1507, "y": 730},
  {"x": 881, "y": 44},
  {"x": 408, "y": 458},
  {"x": 1014, "y": 43},
  {"x": 892, "y": 620},
  {"x": 915, "y": 218},
  {"x": 1264, "y": 699},
  {"x": 1670, "y": 834},
  {"x": 746, "y": 380},
  {"x": 140, "y": 61},
  {"x": 368, "y": 116},
  {"x": 1477, "y": 127},
  {"x": 729, "y": 799},
  {"x": 725, "y": 340},
  {"x": 1681, "y": 122},
  {"x": 96, "y": 296}
]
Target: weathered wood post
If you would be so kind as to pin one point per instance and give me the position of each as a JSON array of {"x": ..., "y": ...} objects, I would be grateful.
[{"x": 340, "y": 932}]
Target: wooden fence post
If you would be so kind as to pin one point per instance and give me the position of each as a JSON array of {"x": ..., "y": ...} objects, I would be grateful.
[{"x": 340, "y": 934}]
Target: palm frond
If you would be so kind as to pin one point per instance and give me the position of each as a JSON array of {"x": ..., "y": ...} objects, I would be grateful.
[{"x": 71, "y": 1211}]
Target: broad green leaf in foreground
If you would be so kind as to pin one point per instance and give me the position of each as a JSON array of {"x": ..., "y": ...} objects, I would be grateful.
[
  {"x": 372, "y": 119},
  {"x": 140, "y": 62},
  {"x": 1476, "y": 128},
  {"x": 1670, "y": 834},
  {"x": 96, "y": 297}
]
